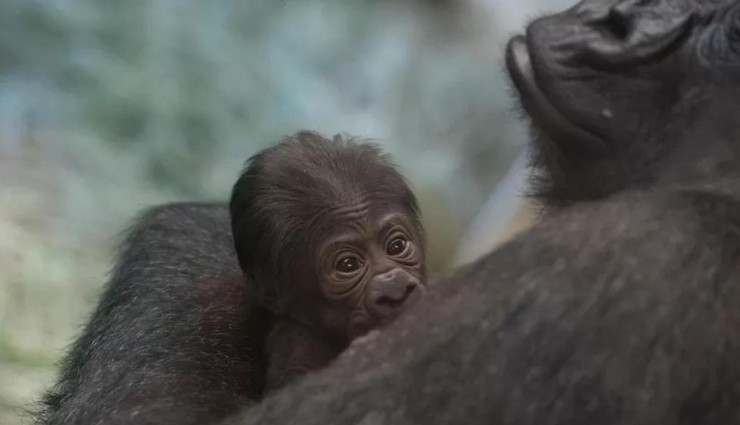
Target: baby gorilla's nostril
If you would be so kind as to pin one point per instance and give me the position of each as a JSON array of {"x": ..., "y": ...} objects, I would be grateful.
[{"x": 388, "y": 301}]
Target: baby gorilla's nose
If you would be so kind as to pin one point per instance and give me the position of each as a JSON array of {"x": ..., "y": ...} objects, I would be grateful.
[
  {"x": 390, "y": 292},
  {"x": 397, "y": 296}
]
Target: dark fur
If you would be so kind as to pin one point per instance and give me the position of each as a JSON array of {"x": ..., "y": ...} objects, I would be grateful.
[
  {"x": 173, "y": 340},
  {"x": 294, "y": 350}
]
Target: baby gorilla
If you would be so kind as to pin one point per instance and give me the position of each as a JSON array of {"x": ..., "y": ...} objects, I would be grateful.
[{"x": 329, "y": 235}]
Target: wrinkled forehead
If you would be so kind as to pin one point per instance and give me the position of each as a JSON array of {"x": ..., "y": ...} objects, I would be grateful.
[
  {"x": 367, "y": 219},
  {"x": 369, "y": 213}
]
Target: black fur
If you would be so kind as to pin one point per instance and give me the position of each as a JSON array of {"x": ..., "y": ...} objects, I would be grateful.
[{"x": 173, "y": 339}]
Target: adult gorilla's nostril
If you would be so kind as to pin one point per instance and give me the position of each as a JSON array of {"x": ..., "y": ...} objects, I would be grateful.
[
  {"x": 633, "y": 32},
  {"x": 619, "y": 22},
  {"x": 614, "y": 22}
]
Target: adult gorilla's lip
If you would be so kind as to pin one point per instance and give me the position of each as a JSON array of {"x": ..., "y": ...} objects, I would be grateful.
[{"x": 568, "y": 136}]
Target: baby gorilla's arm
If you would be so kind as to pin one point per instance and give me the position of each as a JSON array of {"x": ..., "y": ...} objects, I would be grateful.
[{"x": 294, "y": 350}]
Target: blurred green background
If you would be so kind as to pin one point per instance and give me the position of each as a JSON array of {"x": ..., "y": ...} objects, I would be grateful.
[{"x": 108, "y": 107}]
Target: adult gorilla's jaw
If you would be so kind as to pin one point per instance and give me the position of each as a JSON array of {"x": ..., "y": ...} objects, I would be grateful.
[{"x": 569, "y": 138}]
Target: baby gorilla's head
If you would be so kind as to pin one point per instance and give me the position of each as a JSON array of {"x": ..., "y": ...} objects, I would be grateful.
[{"x": 329, "y": 233}]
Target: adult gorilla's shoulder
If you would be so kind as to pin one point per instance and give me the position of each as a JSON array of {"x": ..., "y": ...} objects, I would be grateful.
[{"x": 173, "y": 319}]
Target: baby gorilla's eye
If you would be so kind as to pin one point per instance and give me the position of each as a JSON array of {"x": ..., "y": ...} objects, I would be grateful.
[
  {"x": 348, "y": 264},
  {"x": 397, "y": 246}
]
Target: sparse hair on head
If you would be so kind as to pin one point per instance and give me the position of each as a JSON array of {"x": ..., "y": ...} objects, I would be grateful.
[{"x": 285, "y": 190}]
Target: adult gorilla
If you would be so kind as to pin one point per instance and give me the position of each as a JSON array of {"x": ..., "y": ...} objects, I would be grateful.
[{"x": 622, "y": 305}]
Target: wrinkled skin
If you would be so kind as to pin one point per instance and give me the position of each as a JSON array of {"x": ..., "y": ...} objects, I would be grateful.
[
  {"x": 329, "y": 235},
  {"x": 621, "y": 306}
]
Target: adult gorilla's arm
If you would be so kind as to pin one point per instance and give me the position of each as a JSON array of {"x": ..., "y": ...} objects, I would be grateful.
[{"x": 169, "y": 342}]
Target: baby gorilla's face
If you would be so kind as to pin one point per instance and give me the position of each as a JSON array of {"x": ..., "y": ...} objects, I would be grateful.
[{"x": 370, "y": 268}]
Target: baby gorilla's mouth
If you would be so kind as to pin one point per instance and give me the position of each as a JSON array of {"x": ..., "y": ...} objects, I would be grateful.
[{"x": 568, "y": 136}]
